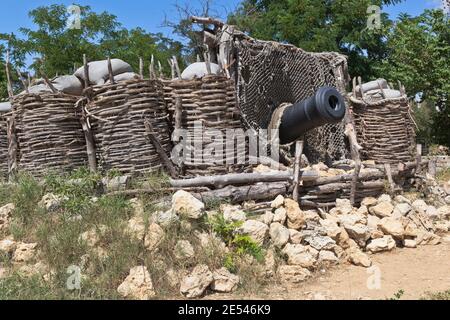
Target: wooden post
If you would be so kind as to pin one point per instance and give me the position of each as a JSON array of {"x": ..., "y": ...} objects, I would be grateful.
[
  {"x": 387, "y": 169},
  {"x": 87, "y": 82},
  {"x": 178, "y": 117},
  {"x": 432, "y": 168},
  {"x": 110, "y": 71},
  {"x": 355, "y": 148},
  {"x": 418, "y": 159},
  {"x": 8, "y": 76},
  {"x": 207, "y": 62},
  {"x": 90, "y": 144},
  {"x": 297, "y": 166},
  {"x": 22, "y": 79},
  {"x": 152, "y": 68},
  {"x": 159, "y": 149},
  {"x": 12, "y": 148},
  {"x": 141, "y": 68},
  {"x": 177, "y": 67},
  {"x": 172, "y": 68},
  {"x": 47, "y": 81}
]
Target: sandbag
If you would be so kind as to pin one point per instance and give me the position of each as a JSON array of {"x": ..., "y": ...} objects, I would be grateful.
[
  {"x": 38, "y": 89},
  {"x": 373, "y": 85},
  {"x": 98, "y": 70},
  {"x": 125, "y": 76},
  {"x": 69, "y": 85},
  {"x": 5, "y": 106},
  {"x": 387, "y": 94},
  {"x": 198, "y": 70}
]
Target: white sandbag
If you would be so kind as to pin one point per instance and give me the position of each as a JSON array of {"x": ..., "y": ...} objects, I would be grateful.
[
  {"x": 125, "y": 76},
  {"x": 373, "y": 85},
  {"x": 98, "y": 70},
  {"x": 38, "y": 89},
  {"x": 5, "y": 106},
  {"x": 387, "y": 94},
  {"x": 69, "y": 85},
  {"x": 198, "y": 70}
]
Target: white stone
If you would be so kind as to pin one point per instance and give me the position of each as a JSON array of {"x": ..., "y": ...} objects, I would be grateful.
[
  {"x": 293, "y": 274},
  {"x": 386, "y": 243},
  {"x": 256, "y": 230},
  {"x": 155, "y": 235},
  {"x": 166, "y": 218},
  {"x": 409, "y": 243},
  {"x": 6, "y": 215},
  {"x": 185, "y": 204},
  {"x": 369, "y": 202},
  {"x": 295, "y": 237},
  {"x": 184, "y": 250},
  {"x": 137, "y": 285},
  {"x": 344, "y": 206},
  {"x": 403, "y": 208},
  {"x": 392, "y": 227},
  {"x": 433, "y": 213},
  {"x": 358, "y": 232},
  {"x": 267, "y": 218},
  {"x": 51, "y": 202},
  {"x": 320, "y": 242},
  {"x": 195, "y": 284},
  {"x": 7, "y": 246},
  {"x": 224, "y": 281},
  {"x": 233, "y": 213},
  {"x": 373, "y": 222},
  {"x": 360, "y": 259},
  {"x": 382, "y": 209},
  {"x": 384, "y": 198},
  {"x": 326, "y": 256},
  {"x": 420, "y": 206},
  {"x": 278, "y": 202},
  {"x": 402, "y": 199},
  {"x": 93, "y": 236},
  {"x": 279, "y": 234},
  {"x": 444, "y": 212},
  {"x": 280, "y": 215},
  {"x": 24, "y": 252},
  {"x": 298, "y": 255},
  {"x": 331, "y": 228}
]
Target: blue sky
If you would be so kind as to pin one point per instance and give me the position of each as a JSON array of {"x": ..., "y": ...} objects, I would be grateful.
[{"x": 149, "y": 14}]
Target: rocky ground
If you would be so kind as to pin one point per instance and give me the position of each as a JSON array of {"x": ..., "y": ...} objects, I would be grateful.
[{"x": 184, "y": 248}]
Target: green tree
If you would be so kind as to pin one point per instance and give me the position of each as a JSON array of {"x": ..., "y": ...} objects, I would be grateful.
[
  {"x": 418, "y": 55},
  {"x": 329, "y": 25}
]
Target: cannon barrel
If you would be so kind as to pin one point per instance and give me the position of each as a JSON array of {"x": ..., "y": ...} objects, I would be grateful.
[{"x": 326, "y": 106}]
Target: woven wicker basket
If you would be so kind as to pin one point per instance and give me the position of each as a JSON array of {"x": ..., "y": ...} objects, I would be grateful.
[
  {"x": 3, "y": 146},
  {"x": 385, "y": 129},
  {"x": 117, "y": 114},
  {"x": 49, "y": 133}
]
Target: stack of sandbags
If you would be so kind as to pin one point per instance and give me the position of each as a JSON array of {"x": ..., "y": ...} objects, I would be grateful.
[{"x": 99, "y": 72}]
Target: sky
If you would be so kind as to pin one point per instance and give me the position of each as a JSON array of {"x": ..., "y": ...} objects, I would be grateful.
[{"x": 150, "y": 14}]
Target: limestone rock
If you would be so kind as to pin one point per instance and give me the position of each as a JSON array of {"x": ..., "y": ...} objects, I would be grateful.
[
  {"x": 155, "y": 235},
  {"x": 359, "y": 258},
  {"x": 403, "y": 208},
  {"x": 254, "y": 229},
  {"x": 92, "y": 237},
  {"x": 433, "y": 213},
  {"x": 363, "y": 210},
  {"x": 320, "y": 242},
  {"x": 38, "y": 269},
  {"x": 6, "y": 215},
  {"x": 420, "y": 206},
  {"x": 24, "y": 252},
  {"x": 136, "y": 227},
  {"x": 392, "y": 227},
  {"x": 369, "y": 202},
  {"x": 384, "y": 198},
  {"x": 280, "y": 215},
  {"x": 224, "y": 281},
  {"x": 267, "y": 218},
  {"x": 166, "y": 218},
  {"x": 279, "y": 234},
  {"x": 427, "y": 238},
  {"x": 444, "y": 212},
  {"x": 278, "y": 202},
  {"x": 183, "y": 250},
  {"x": 4, "y": 273},
  {"x": 7, "y": 246},
  {"x": 137, "y": 285},
  {"x": 402, "y": 199},
  {"x": 185, "y": 204},
  {"x": 295, "y": 216},
  {"x": 382, "y": 209},
  {"x": 331, "y": 228},
  {"x": 373, "y": 222},
  {"x": 172, "y": 278},
  {"x": 138, "y": 207},
  {"x": 293, "y": 274},
  {"x": 298, "y": 255},
  {"x": 386, "y": 243},
  {"x": 51, "y": 202},
  {"x": 195, "y": 284},
  {"x": 358, "y": 232},
  {"x": 269, "y": 263},
  {"x": 233, "y": 213},
  {"x": 295, "y": 236},
  {"x": 343, "y": 206},
  {"x": 328, "y": 257},
  {"x": 409, "y": 243}
]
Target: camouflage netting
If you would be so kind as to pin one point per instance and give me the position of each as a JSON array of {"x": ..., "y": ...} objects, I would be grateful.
[
  {"x": 269, "y": 74},
  {"x": 3, "y": 146},
  {"x": 385, "y": 128}
]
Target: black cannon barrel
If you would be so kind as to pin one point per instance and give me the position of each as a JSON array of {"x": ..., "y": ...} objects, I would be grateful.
[{"x": 326, "y": 106}]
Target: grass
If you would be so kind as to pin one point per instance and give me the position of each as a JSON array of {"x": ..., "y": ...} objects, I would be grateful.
[
  {"x": 443, "y": 175},
  {"x": 104, "y": 266},
  {"x": 445, "y": 295}
]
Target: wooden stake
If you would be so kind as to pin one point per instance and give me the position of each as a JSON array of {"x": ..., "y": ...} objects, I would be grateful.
[
  {"x": 298, "y": 163},
  {"x": 387, "y": 169},
  {"x": 418, "y": 159},
  {"x": 178, "y": 116},
  {"x": 47, "y": 81},
  {"x": 141, "y": 68},
  {"x": 432, "y": 167},
  {"x": 110, "y": 71},
  {"x": 152, "y": 68},
  {"x": 159, "y": 149},
  {"x": 172, "y": 68},
  {"x": 22, "y": 79},
  {"x": 160, "y": 69},
  {"x": 8, "y": 76},
  {"x": 177, "y": 67},
  {"x": 207, "y": 62},
  {"x": 90, "y": 143},
  {"x": 355, "y": 148},
  {"x": 87, "y": 82},
  {"x": 354, "y": 87},
  {"x": 12, "y": 148}
]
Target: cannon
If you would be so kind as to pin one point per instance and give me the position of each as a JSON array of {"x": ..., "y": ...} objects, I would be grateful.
[{"x": 326, "y": 106}]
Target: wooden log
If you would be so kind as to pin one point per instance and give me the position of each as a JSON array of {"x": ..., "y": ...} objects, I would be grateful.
[
  {"x": 241, "y": 178},
  {"x": 22, "y": 79},
  {"x": 207, "y": 20},
  {"x": 207, "y": 62},
  {"x": 177, "y": 66},
  {"x": 135, "y": 192},
  {"x": 418, "y": 159},
  {"x": 178, "y": 117},
  {"x": 355, "y": 149},
  {"x": 8, "y": 76},
  {"x": 159, "y": 149},
  {"x": 298, "y": 163},
  {"x": 90, "y": 143},
  {"x": 261, "y": 191},
  {"x": 387, "y": 168},
  {"x": 141, "y": 67},
  {"x": 47, "y": 81}
]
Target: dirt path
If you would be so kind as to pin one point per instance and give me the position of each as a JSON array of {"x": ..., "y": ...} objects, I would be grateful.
[{"x": 415, "y": 271}]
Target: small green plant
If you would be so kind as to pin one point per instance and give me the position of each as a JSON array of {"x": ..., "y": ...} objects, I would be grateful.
[
  {"x": 437, "y": 296},
  {"x": 398, "y": 295}
]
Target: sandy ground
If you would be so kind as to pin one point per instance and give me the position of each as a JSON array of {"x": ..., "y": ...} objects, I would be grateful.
[{"x": 415, "y": 271}]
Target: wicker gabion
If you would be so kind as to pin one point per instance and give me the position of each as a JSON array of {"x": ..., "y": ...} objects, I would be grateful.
[
  {"x": 118, "y": 114},
  {"x": 385, "y": 129},
  {"x": 3, "y": 146},
  {"x": 211, "y": 102},
  {"x": 49, "y": 133}
]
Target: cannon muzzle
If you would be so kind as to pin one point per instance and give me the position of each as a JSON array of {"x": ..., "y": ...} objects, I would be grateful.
[{"x": 326, "y": 106}]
